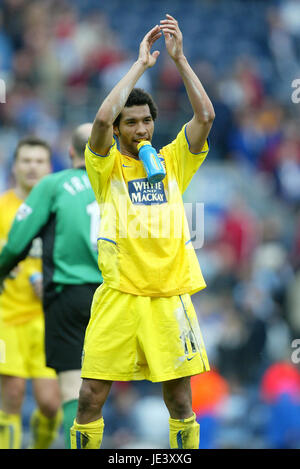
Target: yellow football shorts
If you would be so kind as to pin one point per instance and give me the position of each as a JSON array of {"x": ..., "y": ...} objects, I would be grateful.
[
  {"x": 22, "y": 350},
  {"x": 133, "y": 337}
]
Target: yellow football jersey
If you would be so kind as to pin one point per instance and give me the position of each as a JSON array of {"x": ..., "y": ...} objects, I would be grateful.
[
  {"x": 144, "y": 240},
  {"x": 18, "y": 302}
]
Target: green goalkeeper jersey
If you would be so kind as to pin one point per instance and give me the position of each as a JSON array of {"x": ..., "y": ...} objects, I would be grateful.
[{"x": 61, "y": 209}]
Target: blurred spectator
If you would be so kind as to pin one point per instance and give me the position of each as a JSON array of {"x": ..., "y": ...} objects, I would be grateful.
[
  {"x": 6, "y": 49},
  {"x": 293, "y": 305},
  {"x": 116, "y": 70},
  {"x": 270, "y": 262},
  {"x": 209, "y": 393},
  {"x": 290, "y": 15},
  {"x": 151, "y": 419},
  {"x": 280, "y": 390},
  {"x": 244, "y": 87},
  {"x": 239, "y": 230},
  {"x": 241, "y": 346},
  {"x": 13, "y": 17},
  {"x": 282, "y": 46},
  {"x": 281, "y": 160},
  {"x": 121, "y": 426}
]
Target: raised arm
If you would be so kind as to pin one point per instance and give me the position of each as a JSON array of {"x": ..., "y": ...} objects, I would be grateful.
[
  {"x": 102, "y": 131},
  {"x": 199, "y": 126}
]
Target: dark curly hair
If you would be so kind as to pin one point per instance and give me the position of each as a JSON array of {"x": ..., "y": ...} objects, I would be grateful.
[{"x": 139, "y": 97}]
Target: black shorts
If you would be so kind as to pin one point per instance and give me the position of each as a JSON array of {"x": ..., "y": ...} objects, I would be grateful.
[{"x": 66, "y": 319}]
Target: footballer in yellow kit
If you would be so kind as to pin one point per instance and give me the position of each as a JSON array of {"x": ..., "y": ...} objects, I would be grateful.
[
  {"x": 22, "y": 353},
  {"x": 20, "y": 306},
  {"x": 143, "y": 324},
  {"x": 149, "y": 268}
]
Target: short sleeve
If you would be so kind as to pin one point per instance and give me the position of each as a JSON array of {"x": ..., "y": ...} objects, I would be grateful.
[
  {"x": 99, "y": 167},
  {"x": 184, "y": 162}
]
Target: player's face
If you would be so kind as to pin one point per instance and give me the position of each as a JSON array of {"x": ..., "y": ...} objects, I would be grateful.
[
  {"x": 32, "y": 163},
  {"x": 136, "y": 124}
]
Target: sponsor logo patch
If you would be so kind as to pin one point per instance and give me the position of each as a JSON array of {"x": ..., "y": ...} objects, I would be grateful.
[{"x": 142, "y": 192}]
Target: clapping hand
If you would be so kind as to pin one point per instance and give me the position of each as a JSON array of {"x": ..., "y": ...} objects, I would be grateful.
[
  {"x": 147, "y": 58},
  {"x": 173, "y": 37}
]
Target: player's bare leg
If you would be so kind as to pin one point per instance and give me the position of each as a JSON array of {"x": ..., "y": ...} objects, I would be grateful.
[
  {"x": 12, "y": 396},
  {"x": 92, "y": 396},
  {"x": 47, "y": 417},
  {"x": 178, "y": 397},
  {"x": 47, "y": 395},
  {"x": 87, "y": 431},
  {"x": 184, "y": 430},
  {"x": 12, "y": 393}
]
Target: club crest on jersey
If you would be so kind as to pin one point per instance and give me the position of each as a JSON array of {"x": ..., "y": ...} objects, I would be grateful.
[{"x": 142, "y": 192}]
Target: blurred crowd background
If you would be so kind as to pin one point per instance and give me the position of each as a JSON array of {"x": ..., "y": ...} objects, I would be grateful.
[{"x": 59, "y": 58}]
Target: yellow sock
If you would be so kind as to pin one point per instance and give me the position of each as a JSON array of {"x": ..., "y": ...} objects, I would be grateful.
[
  {"x": 184, "y": 433},
  {"x": 88, "y": 435},
  {"x": 10, "y": 431},
  {"x": 44, "y": 429}
]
